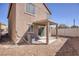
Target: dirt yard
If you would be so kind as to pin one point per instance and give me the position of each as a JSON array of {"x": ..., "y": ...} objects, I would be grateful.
[{"x": 60, "y": 47}]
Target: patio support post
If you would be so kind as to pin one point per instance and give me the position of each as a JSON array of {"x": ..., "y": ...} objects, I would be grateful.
[
  {"x": 56, "y": 31},
  {"x": 47, "y": 33}
]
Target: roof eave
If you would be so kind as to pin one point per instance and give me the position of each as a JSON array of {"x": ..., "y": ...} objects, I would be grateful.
[
  {"x": 47, "y": 8},
  {"x": 10, "y": 5}
]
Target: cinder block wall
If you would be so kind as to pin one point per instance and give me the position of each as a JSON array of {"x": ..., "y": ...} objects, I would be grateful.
[{"x": 72, "y": 32}]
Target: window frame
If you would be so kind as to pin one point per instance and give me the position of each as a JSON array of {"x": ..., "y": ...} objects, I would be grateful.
[{"x": 32, "y": 11}]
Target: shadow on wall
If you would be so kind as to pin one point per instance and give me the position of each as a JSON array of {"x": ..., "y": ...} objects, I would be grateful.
[
  {"x": 28, "y": 35},
  {"x": 68, "y": 49}
]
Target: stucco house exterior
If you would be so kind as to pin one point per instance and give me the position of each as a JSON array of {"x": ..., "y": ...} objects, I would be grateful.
[
  {"x": 3, "y": 26},
  {"x": 27, "y": 21}
]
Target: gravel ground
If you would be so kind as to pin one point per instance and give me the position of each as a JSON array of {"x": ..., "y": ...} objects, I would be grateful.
[
  {"x": 70, "y": 48},
  {"x": 60, "y": 47}
]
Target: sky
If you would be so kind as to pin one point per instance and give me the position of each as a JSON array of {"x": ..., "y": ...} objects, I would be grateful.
[
  {"x": 61, "y": 13},
  {"x": 64, "y": 13},
  {"x": 4, "y": 13}
]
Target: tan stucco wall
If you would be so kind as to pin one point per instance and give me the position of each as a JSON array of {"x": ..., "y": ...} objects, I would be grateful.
[
  {"x": 41, "y": 11},
  {"x": 19, "y": 17},
  {"x": 12, "y": 23},
  {"x": 23, "y": 18}
]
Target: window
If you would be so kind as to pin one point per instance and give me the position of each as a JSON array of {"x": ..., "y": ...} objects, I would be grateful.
[{"x": 30, "y": 8}]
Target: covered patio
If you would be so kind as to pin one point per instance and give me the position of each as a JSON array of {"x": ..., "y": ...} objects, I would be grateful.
[{"x": 46, "y": 23}]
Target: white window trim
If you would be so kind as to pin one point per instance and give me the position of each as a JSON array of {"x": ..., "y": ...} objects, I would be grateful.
[{"x": 28, "y": 12}]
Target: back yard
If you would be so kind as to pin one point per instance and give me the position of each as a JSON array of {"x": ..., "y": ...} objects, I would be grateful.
[{"x": 62, "y": 46}]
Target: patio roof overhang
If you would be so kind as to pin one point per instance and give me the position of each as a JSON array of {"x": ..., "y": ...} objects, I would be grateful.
[{"x": 44, "y": 22}]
